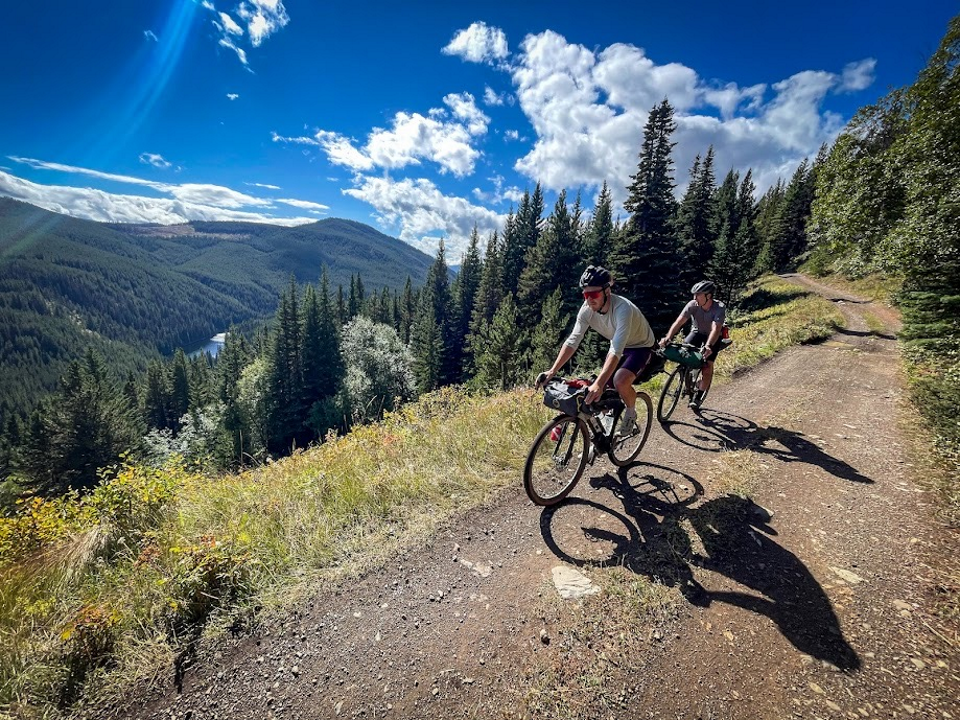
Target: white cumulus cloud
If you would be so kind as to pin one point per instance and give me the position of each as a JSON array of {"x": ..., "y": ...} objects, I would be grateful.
[
  {"x": 444, "y": 136},
  {"x": 588, "y": 108},
  {"x": 424, "y": 214},
  {"x": 479, "y": 43}
]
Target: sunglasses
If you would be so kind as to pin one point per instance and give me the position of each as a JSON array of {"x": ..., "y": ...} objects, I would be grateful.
[{"x": 592, "y": 295}]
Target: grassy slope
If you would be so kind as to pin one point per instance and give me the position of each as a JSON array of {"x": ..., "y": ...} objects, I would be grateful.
[{"x": 93, "y": 593}]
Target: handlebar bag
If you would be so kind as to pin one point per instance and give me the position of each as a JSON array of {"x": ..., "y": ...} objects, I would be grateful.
[{"x": 562, "y": 397}]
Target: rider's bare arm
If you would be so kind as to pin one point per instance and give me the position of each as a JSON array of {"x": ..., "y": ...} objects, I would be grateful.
[{"x": 674, "y": 329}]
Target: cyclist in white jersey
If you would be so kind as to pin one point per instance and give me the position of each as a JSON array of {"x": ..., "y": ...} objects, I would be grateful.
[{"x": 631, "y": 340}]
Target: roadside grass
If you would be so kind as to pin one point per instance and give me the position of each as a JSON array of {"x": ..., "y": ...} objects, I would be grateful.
[
  {"x": 99, "y": 592},
  {"x": 102, "y": 591}
]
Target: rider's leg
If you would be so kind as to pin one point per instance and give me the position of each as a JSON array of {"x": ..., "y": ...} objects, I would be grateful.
[
  {"x": 706, "y": 376},
  {"x": 632, "y": 363},
  {"x": 623, "y": 382}
]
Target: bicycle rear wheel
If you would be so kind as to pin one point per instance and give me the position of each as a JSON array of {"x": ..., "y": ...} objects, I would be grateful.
[
  {"x": 556, "y": 460},
  {"x": 624, "y": 448},
  {"x": 670, "y": 395}
]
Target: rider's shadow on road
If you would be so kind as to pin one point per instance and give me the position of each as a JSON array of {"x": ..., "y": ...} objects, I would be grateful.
[
  {"x": 784, "y": 445},
  {"x": 717, "y": 431},
  {"x": 659, "y": 536}
]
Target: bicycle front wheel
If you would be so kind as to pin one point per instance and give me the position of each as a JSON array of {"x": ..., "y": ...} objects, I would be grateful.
[
  {"x": 556, "y": 460},
  {"x": 670, "y": 395},
  {"x": 624, "y": 447}
]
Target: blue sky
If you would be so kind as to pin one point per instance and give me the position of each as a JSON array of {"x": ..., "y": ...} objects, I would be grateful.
[{"x": 422, "y": 119}]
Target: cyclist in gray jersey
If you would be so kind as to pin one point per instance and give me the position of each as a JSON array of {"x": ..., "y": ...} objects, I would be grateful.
[
  {"x": 708, "y": 316},
  {"x": 631, "y": 341}
]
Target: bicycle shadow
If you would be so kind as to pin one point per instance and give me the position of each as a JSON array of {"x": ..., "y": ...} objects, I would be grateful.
[
  {"x": 731, "y": 536},
  {"x": 784, "y": 445},
  {"x": 642, "y": 538},
  {"x": 719, "y": 431}
]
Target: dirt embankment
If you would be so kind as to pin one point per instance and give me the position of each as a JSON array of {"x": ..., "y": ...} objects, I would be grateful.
[{"x": 823, "y": 598}]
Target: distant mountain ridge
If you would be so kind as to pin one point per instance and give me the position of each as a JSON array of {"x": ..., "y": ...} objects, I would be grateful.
[{"x": 133, "y": 291}]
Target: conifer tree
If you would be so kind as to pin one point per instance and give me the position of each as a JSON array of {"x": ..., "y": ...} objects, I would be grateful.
[
  {"x": 86, "y": 427},
  {"x": 407, "y": 311},
  {"x": 284, "y": 380},
  {"x": 342, "y": 316},
  {"x": 323, "y": 366},
  {"x": 179, "y": 384},
  {"x": 521, "y": 235},
  {"x": 499, "y": 348},
  {"x": 645, "y": 256},
  {"x": 550, "y": 264},
  {"x": 465, "y": 290},
  {"x": 234, "y": 356},
  {"x": 155, "y": 398},
  {"x": 491, "y": 291},
  {"x": 549, "y": 331},
  {"x": 600, "y": 230},
  {"x": 790, "y": 237},
  {"x": 733, "y": 262},
  {"x": 432, "y": 356},
  {"x": 696, "y": 220}
]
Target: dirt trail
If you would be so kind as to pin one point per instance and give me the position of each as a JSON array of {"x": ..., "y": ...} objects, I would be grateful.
[{"x": 818, "y": 601}]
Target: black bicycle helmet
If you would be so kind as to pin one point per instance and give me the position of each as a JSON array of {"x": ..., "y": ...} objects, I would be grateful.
[
  {"x": 596, "y": 276},
  {"x": 704, "y": 286}
]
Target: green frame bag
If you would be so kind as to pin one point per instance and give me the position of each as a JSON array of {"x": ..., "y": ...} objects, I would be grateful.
[{"x": 684, "y": 356}]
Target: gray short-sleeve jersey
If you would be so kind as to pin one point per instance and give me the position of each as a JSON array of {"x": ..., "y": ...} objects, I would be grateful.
[{"x": 703, "y": 319}]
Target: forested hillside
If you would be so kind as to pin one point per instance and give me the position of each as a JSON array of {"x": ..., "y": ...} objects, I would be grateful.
[{"x": 136, "y": 292}]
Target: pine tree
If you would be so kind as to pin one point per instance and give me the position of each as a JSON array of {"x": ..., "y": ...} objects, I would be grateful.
[
  {"x": 234, "y": 356},
  {"x": 430, "y": 333},
  {"x": 86, "y": 427},
  {"x": 645, "y": 256},
  {"x": 550, "y": 264},
  {"x": 323, "y": 366},
  {"x": 155, "y": 399},
  {"x": 499, "y": 348},
  {"x": 407, "y": 311},
  {"x": 179, "y": 384},
  {"x": 599, "y": 233},
  {"x": 491, "y": 291},
  {"x": 696, "y": 220},
  {"x": 426, "y": 344},
  {"x": 286, "y": 412},
  {"x": 790, "y": 237},
  {"x": 549, "y": 332},
  {"x": 520, "y": 236},
  {"x": 465, "y": 290}
]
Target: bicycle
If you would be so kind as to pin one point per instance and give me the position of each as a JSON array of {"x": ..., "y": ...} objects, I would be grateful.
[
  {"x": 683, "y": 381},
  {"x": 567, "y": 443}
]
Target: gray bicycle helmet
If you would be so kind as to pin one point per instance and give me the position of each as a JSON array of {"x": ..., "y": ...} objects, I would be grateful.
[
  {"x": 704, "y": 286},
  {"x": 596, "y": 276}
]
